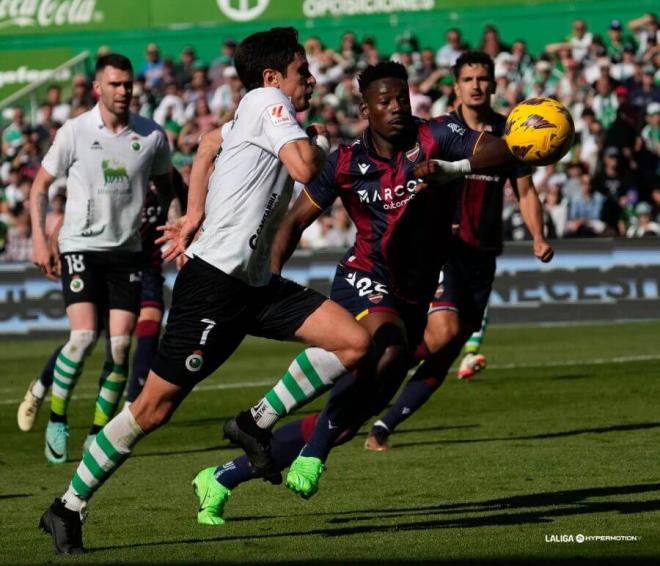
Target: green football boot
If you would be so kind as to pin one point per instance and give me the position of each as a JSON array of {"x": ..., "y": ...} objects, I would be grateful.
[
  {"x": 212, "y": 497},
  {"x": 304, "y": 474},
  {"x": 57, "y": 435}
]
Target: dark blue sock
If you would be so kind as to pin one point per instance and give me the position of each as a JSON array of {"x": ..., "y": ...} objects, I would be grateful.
[
  {"x": 145, "y": 350},
  {"x": 341, "y": 413},
  {"x": 415, "y": 393},
  {"x": 46, "y": 377},
  {"x": 285, "y": 446}
]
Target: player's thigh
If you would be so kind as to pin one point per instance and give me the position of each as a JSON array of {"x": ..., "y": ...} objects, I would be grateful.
[
  {"x": 123, "y": 272},
  {"x": 82, "y": 316},
  {"x": 206, "y": 323},
  {"x": 121, "y": 322},
  {"x": 83, "y": 289},
  {"x": 332, "y": 327}
]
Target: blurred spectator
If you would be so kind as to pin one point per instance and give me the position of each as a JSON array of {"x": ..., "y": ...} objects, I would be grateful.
[
  {"x": 226, "y": 59},
  {"x": 643, "y": 225},
  {"x": 650, "y": 134},
  {"x": 490, "y": 42},
  {"x": 18, "y": 246},
  {"x": 450, "y": 51},
  {"x": 12, "y": 135},
  {"x": 646, "y": 30},
  {"x": 226, "y": 97},
  {"x": 81, "y": 98},
  {"x": 580, "y": 40},
  {"x": 183, "y": 70},
  {"x": 647, "y": 91},
  {"x": 584, "y": 212},
  {"x": 60, "y": 110},
  {"x": 616, "y": 41},
  {"x": 556, "y": 207},
  {"x": 153, "y": 68}
]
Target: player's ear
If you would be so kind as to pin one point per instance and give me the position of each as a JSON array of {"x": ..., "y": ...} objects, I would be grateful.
[
  {"x": 96, "y": 87},
  {"x": 271, "y": 78},
  {"x": 364, "y": 110}
]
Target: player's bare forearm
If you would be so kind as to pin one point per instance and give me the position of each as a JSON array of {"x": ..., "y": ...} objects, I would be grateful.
[
  {"x": 302, "y": 214},
  {"x": 201, "y": 172},
  {"x": 39, "y": 204},
  {"x": 532, "y": 213},
  {"x": 490, "y": 151}
]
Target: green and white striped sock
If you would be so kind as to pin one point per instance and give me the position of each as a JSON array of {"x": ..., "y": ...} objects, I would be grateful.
[
  {"x": 68, "y": 367},
  {"x": 474, "y": 342},
  {"x": 113, "y": 380},
  {"x": 110, "y": 448},
  {"x": 309, "y": 375}
]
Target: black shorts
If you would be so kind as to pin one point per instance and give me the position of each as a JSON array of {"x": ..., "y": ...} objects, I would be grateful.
[
  {"x": 361, "y": 293},
  {"x": 465, "y": 284},
  {"x": 110, "y": 280},
  {"x": 212, "y": 312},
  {"x": 152, "y": 287}
]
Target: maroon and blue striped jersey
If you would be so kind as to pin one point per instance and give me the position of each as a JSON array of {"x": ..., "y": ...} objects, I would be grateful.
[
  {"x": 402, "y": 236},
  {"x": 479, "y": 213}
]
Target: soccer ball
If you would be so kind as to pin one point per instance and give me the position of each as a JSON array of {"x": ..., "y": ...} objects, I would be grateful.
[{"x": 539, "y": 131}]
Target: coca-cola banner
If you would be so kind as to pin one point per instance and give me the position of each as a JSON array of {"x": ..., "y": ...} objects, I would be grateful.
[{"x": 587, "y": 281}]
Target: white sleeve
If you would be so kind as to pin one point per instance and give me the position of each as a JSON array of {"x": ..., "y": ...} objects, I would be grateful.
[
  {"x": 162, "y": 161},
  {"x": 279, "y": 123},
  {"x": 61, "y": 154}
]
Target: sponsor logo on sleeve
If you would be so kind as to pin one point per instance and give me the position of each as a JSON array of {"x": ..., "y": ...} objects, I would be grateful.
[{"x": 279, "y": 115}]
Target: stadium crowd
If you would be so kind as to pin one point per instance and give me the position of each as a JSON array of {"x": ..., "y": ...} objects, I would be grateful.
[{"x": 607, "y": 185}]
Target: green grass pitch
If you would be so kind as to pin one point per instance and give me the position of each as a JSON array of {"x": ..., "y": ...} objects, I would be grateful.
[{"x": 559, "y": 436}]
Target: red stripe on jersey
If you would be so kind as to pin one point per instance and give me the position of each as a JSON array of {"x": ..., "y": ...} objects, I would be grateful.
[
  {"x": 472, "y": 205},
  {"x": 427, "y": 142},
  {"x": 393, "y": 178}
]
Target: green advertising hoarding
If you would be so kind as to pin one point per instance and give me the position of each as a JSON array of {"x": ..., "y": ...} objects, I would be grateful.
[{"x": 20, "y": 68}]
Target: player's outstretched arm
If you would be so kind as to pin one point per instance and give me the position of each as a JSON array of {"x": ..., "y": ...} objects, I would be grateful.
[
  {"x": 181, "y": 232},
  {"x": 42, "y": 256},
  {"x": 303, "y": 212},
  {"x": 532, "y": 213},
  {"x": 489, "y": 152},
  {"x": 304, "y": 158}
]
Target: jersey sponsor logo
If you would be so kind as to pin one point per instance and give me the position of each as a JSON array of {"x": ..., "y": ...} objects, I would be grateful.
[
  {"x": 113, "y": 171},
  {"x": 413, "y": 154},
  {"x": 194, "y": 361},
  {"x": 363, "y": 167},
  {"x": 279, "y": 115},
  {"x": 456, "y": 128},
  {"x": 487, "y": 178},
  {"x": 391, "y": 197},
  {"x": 90, "y": 233},
  {"x": 366, "y": 286},
  {"x": 135, "y": 277},
  {"x": 269, "y": 209}
]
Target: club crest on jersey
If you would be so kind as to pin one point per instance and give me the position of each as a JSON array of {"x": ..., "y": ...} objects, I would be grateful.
[
  {"x": 136, "y": 146},
  {"x": 77, "y": 284},
  {"x": 413, "y": 154},
  {"x": 195, "y": 361},
  {"x": 279, "y": 115}
]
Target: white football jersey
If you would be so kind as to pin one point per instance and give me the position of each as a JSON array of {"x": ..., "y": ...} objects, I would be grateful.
[
  {"x": 250, "y": 188},
  {"x": 107, "y": 179}
]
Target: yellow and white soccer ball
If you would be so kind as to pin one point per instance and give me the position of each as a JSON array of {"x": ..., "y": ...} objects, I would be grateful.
[{"x": 539, "y": 131}]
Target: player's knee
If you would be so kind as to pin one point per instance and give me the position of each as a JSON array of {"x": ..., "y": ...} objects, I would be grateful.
[
  {"x": 119, "y": 346},
  {"x": 82, "y": 341},
  {"x": 355, "y": 349},
  {"x": 436, "y": 337},
  {"x": 150, "y": 416}
]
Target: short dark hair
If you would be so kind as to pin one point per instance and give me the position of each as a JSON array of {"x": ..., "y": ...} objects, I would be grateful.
[
  {"x": 115, "y": 60},
  {"x": 474, "y": 58},
  {"x": 385, "y": 70},
  {"x": 273, "y": 49}
]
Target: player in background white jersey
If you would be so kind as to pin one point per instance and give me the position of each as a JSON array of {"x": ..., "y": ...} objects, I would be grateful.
[
  {"x": 226, "y": 291},
  {"x": 108, "y": 156}
]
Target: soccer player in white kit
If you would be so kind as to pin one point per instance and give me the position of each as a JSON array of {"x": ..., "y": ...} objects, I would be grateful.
[
  {"x": 226, "y": 290},
  {"x": 108, "y": 156}
]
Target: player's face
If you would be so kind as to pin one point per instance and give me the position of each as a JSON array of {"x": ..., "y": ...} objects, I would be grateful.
[
  {"x": 387, "y": 107},
  {"x": 114, "y": 88},
  {"x": 299, "y": 83},
  {"x": 473, "y": 86}
]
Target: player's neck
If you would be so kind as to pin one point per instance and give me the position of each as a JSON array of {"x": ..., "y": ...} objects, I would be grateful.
[
  {"x": 477, "y": 118},
  {"x": 114, "y": 122},
  {"x": 385, "y": 148}
]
